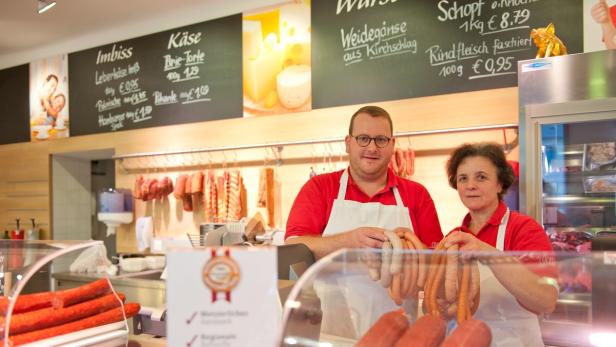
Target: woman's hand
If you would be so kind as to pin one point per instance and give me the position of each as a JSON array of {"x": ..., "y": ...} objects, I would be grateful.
[{"x": 467, "y": 242}]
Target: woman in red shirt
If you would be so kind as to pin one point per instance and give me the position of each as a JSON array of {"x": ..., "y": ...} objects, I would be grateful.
[{"x": 513, "y": 291}]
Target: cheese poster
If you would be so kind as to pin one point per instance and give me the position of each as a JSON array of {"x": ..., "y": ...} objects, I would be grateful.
[{"x": 276, "y": 60}]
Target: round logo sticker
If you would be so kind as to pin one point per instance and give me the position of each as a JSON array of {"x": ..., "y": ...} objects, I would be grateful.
[{"x": 221, "y": 274}]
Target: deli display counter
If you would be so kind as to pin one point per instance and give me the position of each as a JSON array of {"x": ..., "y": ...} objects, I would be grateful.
[
  {"x": 340, "y": 302},
  {"x": 36, "y": 314}
]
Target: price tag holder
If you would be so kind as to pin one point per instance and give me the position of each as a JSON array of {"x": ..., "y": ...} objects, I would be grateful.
[{"x": 222, "y": 296}]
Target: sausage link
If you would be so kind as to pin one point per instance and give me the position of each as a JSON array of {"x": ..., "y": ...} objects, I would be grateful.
[
  {"x": 470, "y": 333},
  {"x": 451, "y": 274},
  {"x": 385, "y": 264},
  {"x": 421, "y": 279},
  {"x": 386, "y": 331},
  {"x": 396, "y": 258},
  {"x": 427, "y": 331},
  {"x": 463, "y": 297}
]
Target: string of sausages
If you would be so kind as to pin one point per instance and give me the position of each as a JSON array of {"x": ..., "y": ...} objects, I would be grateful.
[
  {"x": 402, "y": 273},
  {"x": 450, "y": 283},
  {"x": 452, "y": 288}
]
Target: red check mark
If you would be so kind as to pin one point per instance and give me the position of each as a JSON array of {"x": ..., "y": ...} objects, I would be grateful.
[
  {"x": 189, "y": 320},
  {"x": 189, "y": 344}
]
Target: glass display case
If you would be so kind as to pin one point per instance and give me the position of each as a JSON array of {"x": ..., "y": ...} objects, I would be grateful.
[
  {"x": 578, "y": 188},
  {"x": 340, "y": 302},
  {"x": 570, "y": 189},
  {"x": 32, "y": 313}
]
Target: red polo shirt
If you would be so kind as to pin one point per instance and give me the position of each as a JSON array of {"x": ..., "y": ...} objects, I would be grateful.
[
  {"x": 521, "y": 234},
  {"x": 313, "y": 205}
]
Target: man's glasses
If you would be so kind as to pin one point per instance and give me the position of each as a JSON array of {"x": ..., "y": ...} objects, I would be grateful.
[{"x": 364, "y": 140}]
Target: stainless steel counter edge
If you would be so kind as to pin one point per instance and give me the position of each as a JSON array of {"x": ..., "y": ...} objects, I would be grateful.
[{"x": 132, "y": 280}]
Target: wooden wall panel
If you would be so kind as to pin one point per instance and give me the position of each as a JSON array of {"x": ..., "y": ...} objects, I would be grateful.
[
  {"x": 24, "y": 186},
  {"x": 30, "y": 161}
]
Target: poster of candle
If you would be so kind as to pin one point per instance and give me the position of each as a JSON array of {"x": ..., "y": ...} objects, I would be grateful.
[
  {"x": 276, "y": 60},
  {"x": 49, "y": 114}
]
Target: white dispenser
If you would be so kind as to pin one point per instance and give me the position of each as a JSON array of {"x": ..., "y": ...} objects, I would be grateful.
[{"x": 115, "y": 207}]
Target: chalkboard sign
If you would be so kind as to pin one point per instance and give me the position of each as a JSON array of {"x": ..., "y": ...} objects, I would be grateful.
[
  {"x": 14, "y": 103},
  {"x": 379, "y": 50},
  {"x": 184, "y": 75}
]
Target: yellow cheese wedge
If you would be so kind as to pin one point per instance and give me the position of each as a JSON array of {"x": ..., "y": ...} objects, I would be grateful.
[{"x": 260, "y": 73}]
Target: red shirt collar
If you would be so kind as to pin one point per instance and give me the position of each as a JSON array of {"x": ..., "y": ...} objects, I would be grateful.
[
  {"x": 496, "y": 218},
  {"x": 392, "y": 181}
]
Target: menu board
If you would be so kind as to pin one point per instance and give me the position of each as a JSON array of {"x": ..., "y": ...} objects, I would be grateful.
[
  {"x": 15, "y": 113},
  {"x": 184, "y": 75},
  {"x": 367, "y": 51}
]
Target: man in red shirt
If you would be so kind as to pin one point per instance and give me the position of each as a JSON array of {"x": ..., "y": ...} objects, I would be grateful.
[{"x": 352, "y": 207}]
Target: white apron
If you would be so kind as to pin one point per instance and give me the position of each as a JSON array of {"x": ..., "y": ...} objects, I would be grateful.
[
  {"x": 511, "y": 324},
  {"x": 351, "y": 305}
]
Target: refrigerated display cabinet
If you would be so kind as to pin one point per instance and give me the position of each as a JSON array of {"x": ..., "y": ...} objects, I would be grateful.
[
  {"x": 37, "y": 315},
  {"x": 337, "y": 302},
  {"x": 567, "y": 125}
]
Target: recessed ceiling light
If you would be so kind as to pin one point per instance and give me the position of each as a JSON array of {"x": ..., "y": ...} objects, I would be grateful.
[{"x": 44, "y": 5}]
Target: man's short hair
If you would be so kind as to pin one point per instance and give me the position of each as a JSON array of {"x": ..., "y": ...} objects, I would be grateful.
[{"x": 374, "y": 111}]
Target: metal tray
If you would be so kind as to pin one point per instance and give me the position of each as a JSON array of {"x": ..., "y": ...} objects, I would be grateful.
[{"x": 599, "y": 156}]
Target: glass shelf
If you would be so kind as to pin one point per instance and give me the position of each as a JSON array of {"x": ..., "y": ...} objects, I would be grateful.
[
  {"x": 336, "y": 302},
  {"x": 44, "y": 310}
]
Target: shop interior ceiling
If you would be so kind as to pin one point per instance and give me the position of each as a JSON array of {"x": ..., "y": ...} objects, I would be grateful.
[{"x": 74, "y": 25}]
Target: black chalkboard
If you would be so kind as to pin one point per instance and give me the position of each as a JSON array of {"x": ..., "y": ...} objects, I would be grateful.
[
  {"x": 15, "y": 104},
  {"x": 376, "y": 50},
  {"x": 184, "y": 75}
]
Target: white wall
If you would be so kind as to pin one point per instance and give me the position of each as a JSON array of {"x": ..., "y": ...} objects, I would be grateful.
[
  {"x": 72, "y": 203},
  {"x": 170, "y": 17}
]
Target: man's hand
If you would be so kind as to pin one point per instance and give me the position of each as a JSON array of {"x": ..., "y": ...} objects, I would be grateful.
[
  {"x": 600, "y": 12},
  {"x": 364, "y": 237}
]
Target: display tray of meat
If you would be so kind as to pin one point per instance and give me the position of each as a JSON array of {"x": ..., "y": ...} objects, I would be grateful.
[
  {"x": 574, "y": 277},
  {"x": 600, "y": 156},
  {"x": 570, "y": 239}
]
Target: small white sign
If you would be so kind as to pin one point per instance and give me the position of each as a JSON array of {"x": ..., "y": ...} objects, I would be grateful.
[
  {"x": 537, "y": 64},
  {"x": 222, "y": 297}
]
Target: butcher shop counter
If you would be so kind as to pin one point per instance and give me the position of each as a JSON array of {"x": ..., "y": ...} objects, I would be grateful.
[
  {"x": 144, "y": 287},
  {"x": 350, "y": 295},
  {"x": 148, "y": 290}
]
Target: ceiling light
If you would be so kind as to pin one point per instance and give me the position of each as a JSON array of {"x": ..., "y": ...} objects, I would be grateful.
[{"x": 44, "y": 5}]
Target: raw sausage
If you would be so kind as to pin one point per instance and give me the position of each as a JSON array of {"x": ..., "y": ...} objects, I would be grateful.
[
  {"x": 470, "y": 333},
  {"x": 396, "y": 257},
  {"x": 385, "y": 265},
  {"x": 428, "y": 331},
  {"x": 47, "y": 317},
  {"x": 27, "y": 302},
  {"x": 451, "y": 274},
  {"x": 386, "y": 331},
  {"x": 83, "y": 293},
  {"x": 111, "y": 316}
]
